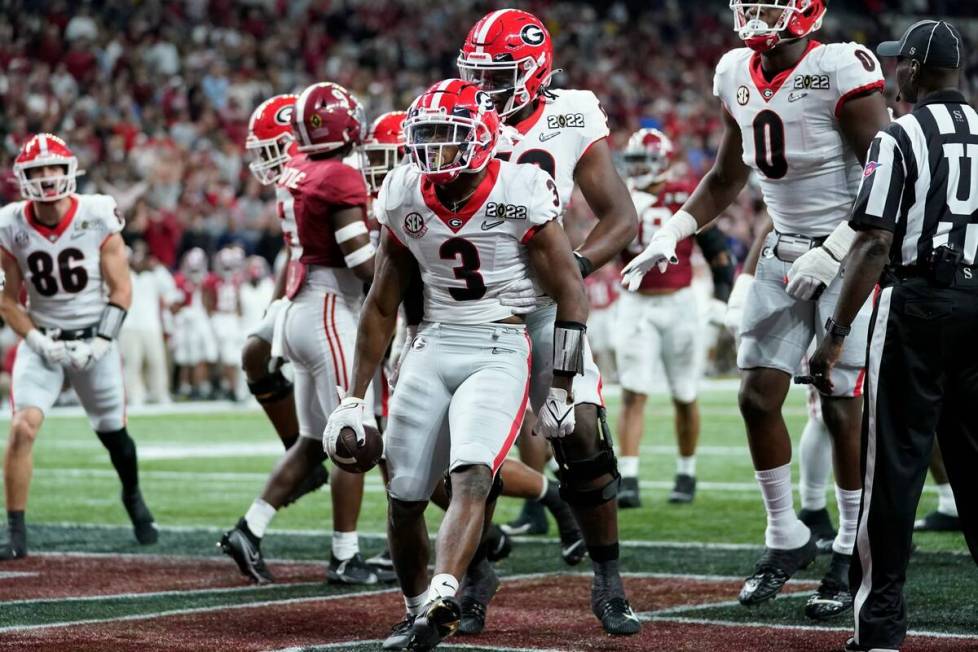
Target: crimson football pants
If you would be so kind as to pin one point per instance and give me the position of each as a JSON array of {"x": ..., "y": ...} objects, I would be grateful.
[{"x": 922, "y": 379}]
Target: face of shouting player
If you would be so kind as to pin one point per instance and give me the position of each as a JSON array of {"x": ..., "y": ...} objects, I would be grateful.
[{"x": 53, "y": 175}]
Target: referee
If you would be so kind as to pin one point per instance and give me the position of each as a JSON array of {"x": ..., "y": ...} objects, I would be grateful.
[{"x": 917, "y": 217}]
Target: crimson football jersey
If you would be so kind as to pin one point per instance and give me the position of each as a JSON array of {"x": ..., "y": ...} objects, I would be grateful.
[{"x": 654, "y": 211}]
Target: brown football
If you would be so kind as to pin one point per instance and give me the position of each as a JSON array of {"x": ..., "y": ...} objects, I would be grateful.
[{"x": 358, "y": 459}]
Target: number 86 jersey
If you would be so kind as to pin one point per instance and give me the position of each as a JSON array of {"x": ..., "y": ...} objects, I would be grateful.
[
  {"x": 61, "y": 265},
  {"x": 468, "y": 256},
  {"x": 791, "y": 134}
]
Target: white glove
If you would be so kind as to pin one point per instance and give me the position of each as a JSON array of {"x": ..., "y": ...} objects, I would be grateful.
[
  {"x": 54, "y": 352},
  {"x": 556, "y": 418},
  {"x": 661, "y": 251},
  {"x": 410, "y": 333},
  {"x": 521, "y": 295},
  {"x": 83, "y": 355},
  {"x": 348, "y": 414},
  {"x": 735, "y": 304},
  {"x": 815, "y": 269}
]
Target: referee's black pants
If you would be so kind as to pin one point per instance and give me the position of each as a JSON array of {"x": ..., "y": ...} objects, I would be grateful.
[{"x": 922, "y": 379}]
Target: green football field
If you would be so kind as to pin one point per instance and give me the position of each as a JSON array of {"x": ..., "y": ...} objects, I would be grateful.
[{"x": 200, "y": 471}]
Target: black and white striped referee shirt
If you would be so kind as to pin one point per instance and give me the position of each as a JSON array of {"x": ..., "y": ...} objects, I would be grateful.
[{"x": 921, "y": 181}]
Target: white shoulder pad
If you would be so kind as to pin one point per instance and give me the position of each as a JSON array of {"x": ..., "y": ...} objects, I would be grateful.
[
  {"x": 593, "y": 121},
  {"x": 726, "y": 68},
  {"x": 396, "y": 188},
  {"x": 105, "y": 209},
  {"x": 545, "y": 200},
  {"x": 854, "y": 68}
]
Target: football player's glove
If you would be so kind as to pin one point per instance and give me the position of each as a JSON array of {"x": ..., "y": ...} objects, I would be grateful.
[
  {"x": 521, "y": 296},
  {"x": 556, "y": 418},
  {"x": 54, "y": 352},
  {"x": 735, "y": 304},
  {"x": 348, "y": 414},
  {"x": 83, "y": 355},
  {"x": 661, "y": 251},
  {"x": 812, "y": 272}
]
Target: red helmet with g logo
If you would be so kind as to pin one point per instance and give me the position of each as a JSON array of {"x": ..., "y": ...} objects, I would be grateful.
[
  {"x": 46, "y": 150},
  {"x": 383, "y": 147},
  {"x": 798, "y": 19},
  {"x": 451, "y": 128},
  {"x": 327, "y": 117},
  {"x": 270, "y": 140},
  {"x": 510, "y": 55}
]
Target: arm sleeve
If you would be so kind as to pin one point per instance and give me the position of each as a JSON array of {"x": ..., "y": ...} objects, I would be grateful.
[
  {"x": 882, "y": 195},
  {"x": 858, "y": 73}
]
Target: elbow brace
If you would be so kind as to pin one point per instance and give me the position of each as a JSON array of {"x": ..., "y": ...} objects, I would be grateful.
[{"x": 568, "y": 357}]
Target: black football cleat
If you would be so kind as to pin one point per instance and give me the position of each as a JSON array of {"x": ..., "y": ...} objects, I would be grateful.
[
  {"x": 628, "y": 494},
  {"x": 479, "y": 586},
  {"x": 820, "y": 523},
  {"x": 351, "y": 571},
  {"x": 937, "y": 522},
  {"x": 382, "y": 561},
  {"x": 440, "y": 620},
  {"x": 498, "y": 544},
  {"x": 312, "y": 482},
  {"x": 532, "y": 520},
  {"x": 773, "y": 569},
  {"x": 245, "y": 549},
  {"x": 617, "y": 617},
  {"x": 683, "y": 489},
  {"x": 400, "y": 635},
  {"x": 573, "y": 551},
  {"x": 143, "y": 524},
  {"x": 10, "y": 552},
  {"x": 832, "y": 597}
]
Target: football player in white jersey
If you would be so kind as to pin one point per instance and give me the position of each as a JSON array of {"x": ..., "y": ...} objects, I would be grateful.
[
  {"x": 801, "y": 115},
  {"x": 66, "y": 249},
  {"x": 472, "y": 224},
  {"x": 509, "y": 53}
]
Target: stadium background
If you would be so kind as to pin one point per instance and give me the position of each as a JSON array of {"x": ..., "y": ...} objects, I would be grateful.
[{"x": 154, "y": 98}]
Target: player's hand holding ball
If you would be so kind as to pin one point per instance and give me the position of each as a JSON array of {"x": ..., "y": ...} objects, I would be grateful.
[
  {"x": 349, "y": 445},
  {"x": 556, "y": 418}
]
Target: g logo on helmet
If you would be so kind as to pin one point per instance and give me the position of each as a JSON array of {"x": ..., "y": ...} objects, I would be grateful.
[
  {"x": 532, "y": 35},
  {"x": 484, "y": 101},
  {"x": 284, "y": 115}
]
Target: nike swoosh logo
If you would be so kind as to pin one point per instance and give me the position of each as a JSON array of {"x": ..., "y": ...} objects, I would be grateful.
[
  {"x": 77, "y": 234},
  {"x": 545, "y": 137},
  {"x": 486, "y": 224},
  {"x": 569, "y": 549},
  {"x": 794, "y": 97}
]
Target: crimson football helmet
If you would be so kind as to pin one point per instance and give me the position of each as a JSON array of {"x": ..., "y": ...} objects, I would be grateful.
[
  {"x": 327, "y": 117},
  {"x": 451, "y": 128},
  {"x": 510, "y": 55},
  {"x": 648, "y": 156},
  {"x": 270, "y": 140},
  {"x": 798, "y": 19},
  {"x": 383, "y": 147},
  {"x": 193, "y": 265},
  {"x": 39, "y": 151}
]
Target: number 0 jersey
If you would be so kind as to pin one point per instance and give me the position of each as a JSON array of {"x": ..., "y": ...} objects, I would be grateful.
[
  {"x": 556, "y": 135},
  {"x": 61, "y": 265},
  {"x": 790, "y": 129},
  {"x": 467, "y": 257}
]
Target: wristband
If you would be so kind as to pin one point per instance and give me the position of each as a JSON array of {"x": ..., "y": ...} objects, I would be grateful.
[
  {"x": 680, "y": 226},
  {"x": 110, "y": 322},
  {"x": 839, "y": 241},
  {"x": 568, "y": 358},
  {"x": 835, "y": 329}
]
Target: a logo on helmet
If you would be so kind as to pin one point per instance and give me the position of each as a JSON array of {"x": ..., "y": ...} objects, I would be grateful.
[
  {"x": 284, "y": 115},
  {"x": 532, "y": 35},
  {"x": 485, "y": 101},
  {"x": 414, "y": 225},
  {"x": 315, "y": 121}
]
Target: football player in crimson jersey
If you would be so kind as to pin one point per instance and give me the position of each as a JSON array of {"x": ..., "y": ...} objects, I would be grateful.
[
  {"x": 332, "y": 258},
  {"x": 222, "y": 300},
  {"x": 659, "y": 325},
  {"x": 801, "y": 115},
  {"x": 66, "y": 249},
  {"x": 509, "y": 53},
  {"x": 271, "y": 144},
  {"x": 472, "y": 225}
]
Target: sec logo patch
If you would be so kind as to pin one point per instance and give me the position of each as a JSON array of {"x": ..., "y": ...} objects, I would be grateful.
[
  {"x": 743, "y": 96},
  {"x": 414, "y": 225}
]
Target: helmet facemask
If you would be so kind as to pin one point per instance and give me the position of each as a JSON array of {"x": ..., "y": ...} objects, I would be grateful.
[
  {"x": 269, "y": 157},
  {"x": 379, "y": 160},
  {"x": 757, "y": 33},
  {"x": 442, "y": 145},
  {"x": 644, "y": 168},
  {"x": 48, "y": 188},
  {"x": 504, "y": 81}
]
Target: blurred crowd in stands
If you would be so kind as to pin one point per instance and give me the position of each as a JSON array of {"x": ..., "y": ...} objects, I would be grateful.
[{"x": 154, "y": 97}]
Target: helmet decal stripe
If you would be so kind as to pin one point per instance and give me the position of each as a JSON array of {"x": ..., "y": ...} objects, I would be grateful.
[
  {"x": 487, "y": 24},
  {"x": 300, "y": 118},
  {"x": 439, "y": 93}
]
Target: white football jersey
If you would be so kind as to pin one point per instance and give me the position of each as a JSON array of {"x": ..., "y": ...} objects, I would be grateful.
[
  {"x": 556, "y": 136},
  {"x": 468, "y": 257},
  {"x": 62, "y": 266},
  {"x": 790, "y": 129}
]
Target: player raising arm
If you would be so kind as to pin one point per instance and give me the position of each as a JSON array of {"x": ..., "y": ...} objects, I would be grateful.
[{"x": 801, "y": 115}]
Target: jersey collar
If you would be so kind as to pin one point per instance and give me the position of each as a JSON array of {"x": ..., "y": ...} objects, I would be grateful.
[
  {"x": 49, "y": 232},
  {"x": 769, "y": 89},
  {"x": 949, "y": 96},
  {"x": 456, "y": 220},
  {"x": 524, "y": 125}
]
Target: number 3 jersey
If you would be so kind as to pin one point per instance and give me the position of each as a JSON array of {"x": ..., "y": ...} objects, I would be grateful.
[
  {"x": 791, "y": 134},
  {"x": 468, "y": 256},
  {"x": 61, "y": 265}
]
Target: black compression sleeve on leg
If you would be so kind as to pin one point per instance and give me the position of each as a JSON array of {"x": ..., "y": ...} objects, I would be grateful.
[{"x": 122, "y": 452}]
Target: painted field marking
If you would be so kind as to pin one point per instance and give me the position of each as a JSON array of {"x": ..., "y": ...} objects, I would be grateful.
[
  {"x": 9, "y": 575},
  {"x": 162, "y": 594},
  {"x": 445, "y": 646}
]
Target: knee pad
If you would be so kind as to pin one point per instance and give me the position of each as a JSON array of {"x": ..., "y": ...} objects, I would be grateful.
[
  {"x": 494, "y": 492},
  {"x": 271, "y": 388},
  {"x": 575, "y": 475}
]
